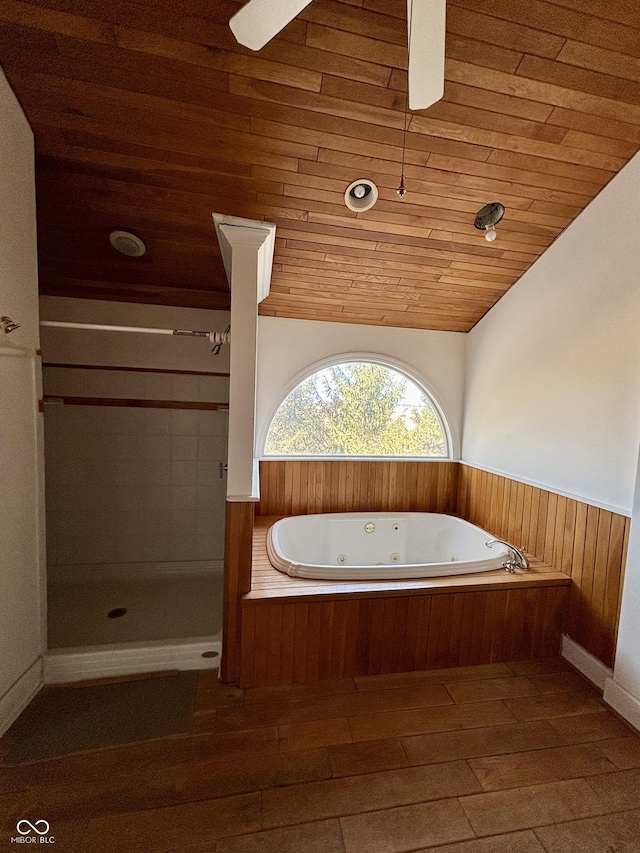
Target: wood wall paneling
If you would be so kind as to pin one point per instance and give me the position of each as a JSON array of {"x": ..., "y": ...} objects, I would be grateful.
[
  {"x": 585, "y": 542},
  {"x": 289, "y": 487},
  {"x": 149, "y": 116}
]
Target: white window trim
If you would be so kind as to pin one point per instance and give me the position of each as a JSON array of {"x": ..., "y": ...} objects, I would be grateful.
[{"x": 385, "y": 361}]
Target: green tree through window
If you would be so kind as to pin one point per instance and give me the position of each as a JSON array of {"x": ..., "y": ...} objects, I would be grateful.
[{"x": 356, "y": 409}]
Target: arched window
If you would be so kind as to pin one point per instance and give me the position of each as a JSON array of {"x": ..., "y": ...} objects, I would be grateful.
[{"x": 358, "y": 408}]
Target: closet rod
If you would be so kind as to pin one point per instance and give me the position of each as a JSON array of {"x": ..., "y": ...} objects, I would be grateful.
[{"x": 215, "y": 338}]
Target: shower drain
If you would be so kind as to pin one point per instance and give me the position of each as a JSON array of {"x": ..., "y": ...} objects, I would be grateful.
[{"x": 116, "y": 613}]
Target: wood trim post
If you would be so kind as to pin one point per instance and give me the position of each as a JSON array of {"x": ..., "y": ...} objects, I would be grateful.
[{"x": 238, "y": 552}]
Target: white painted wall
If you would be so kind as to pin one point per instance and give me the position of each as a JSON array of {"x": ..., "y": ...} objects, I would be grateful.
[
  {"x": 623, "y": 691},
  {"x": 21, "y": 520},
  {"x": 553, "y": 370},
  {"x": 247, "y": 250},
  {"x": 289, "y": 350}
]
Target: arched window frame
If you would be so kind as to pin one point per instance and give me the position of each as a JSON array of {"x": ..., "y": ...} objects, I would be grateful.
[{"x": 452, "y": 449}]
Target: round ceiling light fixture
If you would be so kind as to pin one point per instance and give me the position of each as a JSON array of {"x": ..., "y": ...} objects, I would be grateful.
[
  {"x": 361, "y": 195},
  {"x": 487, "y": 218},
  {"x": 127, "y": 244}
]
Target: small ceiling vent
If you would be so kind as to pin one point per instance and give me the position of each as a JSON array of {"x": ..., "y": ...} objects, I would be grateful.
[
  {"x": 127, "y": 244},
  {"x": 361, "y": 195}
]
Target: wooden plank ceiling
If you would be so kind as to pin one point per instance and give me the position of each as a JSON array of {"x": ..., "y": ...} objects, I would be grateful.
[{"x": 148, "y": 116}]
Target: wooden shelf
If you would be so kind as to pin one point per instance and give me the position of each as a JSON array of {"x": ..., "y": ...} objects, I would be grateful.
[
  {"x": 269, "y": 583},
  {"x": 135, "y": 404}
]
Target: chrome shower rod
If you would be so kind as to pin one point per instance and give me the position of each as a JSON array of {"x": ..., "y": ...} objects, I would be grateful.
[{"x": 215, "y": 338}]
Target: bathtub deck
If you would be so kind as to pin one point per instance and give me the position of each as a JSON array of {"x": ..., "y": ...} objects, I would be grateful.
[
  {"x": 267, "y": 582},
  {"x": 295, "y": 630}
]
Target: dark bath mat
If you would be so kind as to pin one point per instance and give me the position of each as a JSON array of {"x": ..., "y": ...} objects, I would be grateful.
[{"x": 64, "y": 720}]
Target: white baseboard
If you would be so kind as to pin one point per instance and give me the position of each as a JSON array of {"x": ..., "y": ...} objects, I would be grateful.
[
  {"x": 93, "y": 662},
  {"x": 18, "y": 696},
  {"x": 585, "y": 662},
  {"x": 622, "y": 702},
  {"x": 80, "y": 573}
]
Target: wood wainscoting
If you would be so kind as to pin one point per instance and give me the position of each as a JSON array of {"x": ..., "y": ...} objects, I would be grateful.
[
  {"x": 290, "y": 487},
  {"x": 587, "y": 543}
]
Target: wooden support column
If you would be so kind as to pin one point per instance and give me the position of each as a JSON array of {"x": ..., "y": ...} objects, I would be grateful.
[{"x": 238, "y": 555}]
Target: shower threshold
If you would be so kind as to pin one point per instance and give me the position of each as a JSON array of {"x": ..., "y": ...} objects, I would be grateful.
[{"x": 84, "y": 663}]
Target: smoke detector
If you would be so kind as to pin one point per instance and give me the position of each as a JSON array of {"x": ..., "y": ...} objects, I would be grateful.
[
  {"x": 127, "y": 244},
  {"x": 361, "y": 195}
]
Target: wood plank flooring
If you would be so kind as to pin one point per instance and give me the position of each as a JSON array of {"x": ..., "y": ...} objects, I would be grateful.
[{"x": 518, "y": 758}]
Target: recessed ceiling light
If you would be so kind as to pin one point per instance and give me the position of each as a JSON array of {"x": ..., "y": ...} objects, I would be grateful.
[
  {"x": 361, "y": 195},
  {"x": 127, "y": 244}
]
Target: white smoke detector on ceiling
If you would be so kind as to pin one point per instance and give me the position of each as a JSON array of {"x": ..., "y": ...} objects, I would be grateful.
[
  {"x": 127, "y": 244},
  {"x": 361, "y": 195}
]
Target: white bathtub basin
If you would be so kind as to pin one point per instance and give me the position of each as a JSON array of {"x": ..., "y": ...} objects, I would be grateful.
[{"x": 380, "y": 545}]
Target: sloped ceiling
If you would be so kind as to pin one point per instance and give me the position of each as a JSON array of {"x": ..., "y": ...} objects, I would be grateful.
[{"x": 148, "y": 116}]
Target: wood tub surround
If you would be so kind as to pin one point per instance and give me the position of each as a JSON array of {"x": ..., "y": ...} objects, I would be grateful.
[
  {"x": 299, "y": 631},
  {"x": 287, "y": 630},
  {"x": 343, "y": 636},
  {"x": 268, "y": 582}
]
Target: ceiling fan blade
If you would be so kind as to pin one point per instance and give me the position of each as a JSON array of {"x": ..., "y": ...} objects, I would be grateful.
[
  {"x": 260, "y": 20},
  {"x": 427, "y": 27}
]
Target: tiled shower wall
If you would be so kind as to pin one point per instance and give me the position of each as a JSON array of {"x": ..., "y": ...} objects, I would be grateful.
[{"x": 129, "y": 485}]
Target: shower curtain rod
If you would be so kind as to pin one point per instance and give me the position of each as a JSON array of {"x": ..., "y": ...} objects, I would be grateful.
[{"x": 216, "y": 338}]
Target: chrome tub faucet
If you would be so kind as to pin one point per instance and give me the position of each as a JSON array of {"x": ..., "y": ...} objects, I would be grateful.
[{"x": 517, "y": 559}]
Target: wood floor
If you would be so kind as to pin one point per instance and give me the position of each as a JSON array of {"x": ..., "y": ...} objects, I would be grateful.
[{"x": 521, "y": 758}]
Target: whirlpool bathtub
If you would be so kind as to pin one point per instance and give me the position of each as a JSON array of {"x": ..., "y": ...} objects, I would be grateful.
[{"x": 382, "y": 545}]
